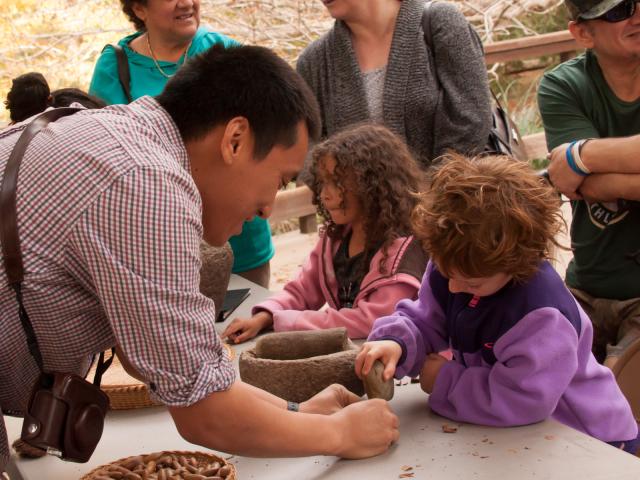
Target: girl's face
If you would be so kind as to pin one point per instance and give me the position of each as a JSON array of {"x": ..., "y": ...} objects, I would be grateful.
[
  {"x": 343, "y": 208},
  {"x": 170, "y": 20},
  {"x": 480, "y": 287}
]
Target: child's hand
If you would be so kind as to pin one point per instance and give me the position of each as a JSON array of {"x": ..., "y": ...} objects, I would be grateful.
[
  {"x": 430, "y": 370},
  {"x": 387, "y": 351},
  {"x": 242, "y": 329}
]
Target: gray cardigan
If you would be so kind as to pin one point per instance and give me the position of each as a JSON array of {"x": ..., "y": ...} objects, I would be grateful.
[{"x": 432, "y": 114}]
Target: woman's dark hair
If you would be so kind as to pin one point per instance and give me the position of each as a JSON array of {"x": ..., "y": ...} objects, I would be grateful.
[
  {"x": 375, "y": 164},
  {"x": 29, "y": 95},
  {"x": 251, "y": 82},
  {"x": 64, "y": 97},
  {"x": 127, "y": 8}
]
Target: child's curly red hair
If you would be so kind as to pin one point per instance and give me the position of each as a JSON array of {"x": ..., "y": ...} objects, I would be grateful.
[{"x": 487, "y": 215}]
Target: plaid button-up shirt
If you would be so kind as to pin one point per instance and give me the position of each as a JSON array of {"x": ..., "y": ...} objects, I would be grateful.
[{"x": 110, "y": 224}]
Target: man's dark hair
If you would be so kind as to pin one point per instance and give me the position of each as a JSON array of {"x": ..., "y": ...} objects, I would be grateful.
[
  {"x": 248, "y": 81},
  {"x": 29, "y": 95},
  {"x": 127, "y": 8},
  {"x": 64, "y": 97}
]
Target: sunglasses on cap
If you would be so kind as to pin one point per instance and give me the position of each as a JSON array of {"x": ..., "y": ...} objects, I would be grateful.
[{"x": 620, "y": 12}]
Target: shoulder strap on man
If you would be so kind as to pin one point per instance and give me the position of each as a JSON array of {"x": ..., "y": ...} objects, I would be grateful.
[
  {"x": 11, "y": 253},
  {"x": 123, "y": 71}
]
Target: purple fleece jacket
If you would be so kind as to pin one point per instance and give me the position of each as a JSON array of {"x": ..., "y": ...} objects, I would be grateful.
[{"x": 520, "y": 355}]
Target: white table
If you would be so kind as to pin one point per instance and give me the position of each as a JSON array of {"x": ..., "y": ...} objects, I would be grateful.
[{"x": 547, "y": 450}]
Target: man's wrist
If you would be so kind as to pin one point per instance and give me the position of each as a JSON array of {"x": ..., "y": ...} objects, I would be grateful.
[{"x": 574, "y": 160}]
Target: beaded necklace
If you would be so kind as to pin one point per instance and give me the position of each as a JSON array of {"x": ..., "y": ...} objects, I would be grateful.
[{"x": 153, "y": 57}]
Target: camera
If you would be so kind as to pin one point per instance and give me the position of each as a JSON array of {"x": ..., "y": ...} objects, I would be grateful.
[{"x": 65, "y": 416}]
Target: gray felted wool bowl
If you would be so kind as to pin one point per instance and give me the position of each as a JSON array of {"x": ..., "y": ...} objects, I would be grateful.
[
  {"x": 297, "y": 365},
  {"x": 215, "y": 272}
]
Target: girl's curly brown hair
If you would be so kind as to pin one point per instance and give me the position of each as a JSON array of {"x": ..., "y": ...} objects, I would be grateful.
[
  {"x": 386, "y": 178},
  {"x": 488, "y": 215}
]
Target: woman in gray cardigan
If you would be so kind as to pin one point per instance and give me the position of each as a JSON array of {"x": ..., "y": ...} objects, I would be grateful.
[{"x": 374, "y": 64}]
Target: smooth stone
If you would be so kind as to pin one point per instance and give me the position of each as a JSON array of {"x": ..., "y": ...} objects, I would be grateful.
[{"x": 375, "y": 386}]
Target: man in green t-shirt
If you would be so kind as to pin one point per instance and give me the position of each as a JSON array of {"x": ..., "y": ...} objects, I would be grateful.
[{"x": 597, "y": 95}]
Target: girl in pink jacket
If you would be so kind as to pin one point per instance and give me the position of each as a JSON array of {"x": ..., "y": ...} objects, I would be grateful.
[{"x": 364, "y": 182}]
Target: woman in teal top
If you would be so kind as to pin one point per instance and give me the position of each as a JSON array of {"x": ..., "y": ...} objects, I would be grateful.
[{"x": 168, "y": 33}]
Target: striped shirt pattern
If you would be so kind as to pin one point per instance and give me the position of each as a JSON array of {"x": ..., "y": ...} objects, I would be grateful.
[{"x": 110, "y": 223}]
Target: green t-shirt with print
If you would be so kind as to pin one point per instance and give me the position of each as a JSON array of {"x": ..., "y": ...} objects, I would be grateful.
[{"x": 576, "y": 102}]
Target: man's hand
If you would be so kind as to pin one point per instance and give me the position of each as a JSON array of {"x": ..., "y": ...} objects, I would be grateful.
[
  {"x": 565, "y": 180},
  {"x": 330, "y": 400},
  {"x": 367, "y": 428},
  {"x": 243, "y": 329},
  {"x": 387, "y": 351},
  {"x": 430, "y": 370}
]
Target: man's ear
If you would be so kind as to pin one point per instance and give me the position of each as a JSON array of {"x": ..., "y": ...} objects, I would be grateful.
[
  {"x": 236, "y": 139},
  {"x": 582, "y": 32}
]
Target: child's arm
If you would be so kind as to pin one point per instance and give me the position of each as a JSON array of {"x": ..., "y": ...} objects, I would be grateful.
[
  {"x": 536, "y": 360},
  {"x": 358, "y": 320},
  {"x": 303, "y": 292},
  {"x": 418, "y": 326},
  {"x": 300, "y": 294}
]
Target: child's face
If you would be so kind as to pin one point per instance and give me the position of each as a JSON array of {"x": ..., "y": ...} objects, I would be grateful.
[
  {"x": 480, "y": 287},
  {"x": 344, "y": 209}
]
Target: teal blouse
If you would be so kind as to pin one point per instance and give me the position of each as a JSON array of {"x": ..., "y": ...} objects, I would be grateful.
[{"x": 253, "y": 247}]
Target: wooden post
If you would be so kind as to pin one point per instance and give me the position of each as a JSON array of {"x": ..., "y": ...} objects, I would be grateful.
[{"x": 308, "y": 224}]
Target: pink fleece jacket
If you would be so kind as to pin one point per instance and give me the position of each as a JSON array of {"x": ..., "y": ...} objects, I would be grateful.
[{"x": 298, "y": 306}]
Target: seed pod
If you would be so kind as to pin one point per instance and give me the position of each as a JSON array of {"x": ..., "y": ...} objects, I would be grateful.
[
  {"x": 210, "y": 472},
  {"x": 118, "y": 468},
  {"x": 154, "y": 456},
  {"x": 193, "y": 476},
  {"x": 224, "y": 471},
  {"x": 151, "y": 466},
  {"x": 132, "y": 463},
  {"x": 132, "y": 476}
]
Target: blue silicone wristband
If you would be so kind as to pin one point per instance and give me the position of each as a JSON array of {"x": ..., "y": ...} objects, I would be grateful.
[{"x": 572, "y": 163}]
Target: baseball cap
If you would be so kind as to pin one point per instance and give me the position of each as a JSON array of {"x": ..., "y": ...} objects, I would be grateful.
[{"x": 590, "y": 9}]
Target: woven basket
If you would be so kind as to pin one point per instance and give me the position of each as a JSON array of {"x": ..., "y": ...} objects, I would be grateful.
[
  {"x": 197, "y": 459},
  {"x": 126, "y": 392}
]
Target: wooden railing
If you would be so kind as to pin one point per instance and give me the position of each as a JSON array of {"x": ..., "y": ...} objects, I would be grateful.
[
  {"x": 297, "y": 202},
  {"x": 529, "y": 47}
]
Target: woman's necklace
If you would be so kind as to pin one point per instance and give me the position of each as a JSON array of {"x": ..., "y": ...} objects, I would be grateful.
[{"x": 155, "y": 60}]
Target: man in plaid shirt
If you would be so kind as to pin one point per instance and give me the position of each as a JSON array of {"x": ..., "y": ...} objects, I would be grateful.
[{"x": 112, "y": 205}]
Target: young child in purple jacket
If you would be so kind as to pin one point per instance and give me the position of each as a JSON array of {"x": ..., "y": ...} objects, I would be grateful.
[
  {"x": 365, "y": 184},
  {"x": 521, "y": 343}
]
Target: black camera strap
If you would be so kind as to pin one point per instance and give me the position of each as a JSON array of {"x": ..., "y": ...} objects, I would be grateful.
[{"x": 11, "y": 253}]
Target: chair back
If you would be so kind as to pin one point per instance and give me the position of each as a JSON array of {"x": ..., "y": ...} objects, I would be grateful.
[{"x": 627, "y": 373}]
